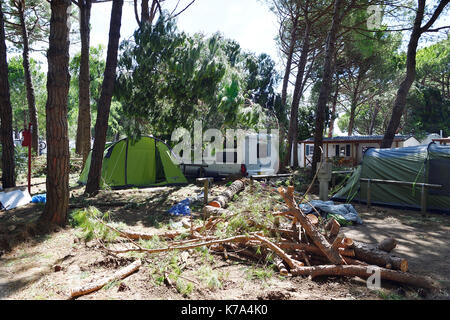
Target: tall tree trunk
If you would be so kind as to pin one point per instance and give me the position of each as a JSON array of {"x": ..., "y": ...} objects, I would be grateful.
[
  {"x": 145, "y": 13},
  {"x": 28, "y": 81},
  {"x": 293, "y": 123},
  {"x": 354, "y": 103},
  {"x": 287, "y": 74},
  {"x": 325, "y": 87},
  {"x": 83, "y": 142},
  {"x": 402, "y": 93},
  {"x": 287, "y": 71},
  {"x": 58, "y": 79},
  {"x": 8, "y": 175},
  {"x": 376, "y": 109},
  {"x": 104, "y": 104},
  {"x": 333, "y": 109}
]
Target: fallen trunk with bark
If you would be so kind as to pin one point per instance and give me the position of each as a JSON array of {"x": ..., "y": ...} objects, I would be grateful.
[
  {"x": 222, "y": 200},
  {"x": 121, "y": 274},
  {"x": 363, "y": 272}
]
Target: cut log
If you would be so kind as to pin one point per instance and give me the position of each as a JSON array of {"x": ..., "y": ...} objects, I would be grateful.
[
  {"x": 387, "y": 244},
  {"x": 313, "y": 219},
  {"x": 222, "y": 200},
  {"x": 334, "y": 227},
  {"x": 281, "y": 267},
  {"x": 121, "y": 274},
  {"x": 313, "y": 249},
  {"x": 337, "y": 242},
  {"x": 215, "y": 211},
  {"x": 363, "y": 272},
  {"x": 347, "y": 243},
  {"x": 372, "y": 255},
  {"x": 319, "y": 240}
]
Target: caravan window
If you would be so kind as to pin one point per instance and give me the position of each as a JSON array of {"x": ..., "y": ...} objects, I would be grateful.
[
  {"x": 309, "y": 149},
  {"x": 232, "y": 156},
  {"x": 261, "y": 150}
]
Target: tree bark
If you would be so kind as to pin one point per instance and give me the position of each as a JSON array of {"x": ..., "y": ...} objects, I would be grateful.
[
  {"x": 145, "y": 13},
  {"x": 325, "y": 87},
  {"x": 83, "y": 142},
  {"x": 222, "y": 200},
  {"x": 31, "y": 99},
  {"x": 8, "y": 174},
  {"x": 373, "y": 255},
  {"x": 363, "y": 272},
  {"x": 319, "y": 240},
  {"x": 333, "y": 109},
  {"x": 104, "y": 104},
  {"x": 287, "y": 71},
  {"x": 293, "y": 123},
  {"x": 354, "y": 103},
  {"x": 402, "y": 93},
  {"x": 118, "y": 275},
  {"x": 215, "y": 211},
  {"x": 375, "y": 111},
  {"x": 387, "y": 244},
  {"x": 58, "y": 79}
]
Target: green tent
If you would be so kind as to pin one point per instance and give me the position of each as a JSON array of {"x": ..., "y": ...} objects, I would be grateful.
[
  {"x": 143, "y": 163},
  {"x": 428, "y": 164}
]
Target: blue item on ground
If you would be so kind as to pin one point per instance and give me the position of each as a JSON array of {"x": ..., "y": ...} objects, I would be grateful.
[
  {"x": 40, "y": 198},
  {"x": 181, "y": 208},
  {"x": 328, "y": 207}
]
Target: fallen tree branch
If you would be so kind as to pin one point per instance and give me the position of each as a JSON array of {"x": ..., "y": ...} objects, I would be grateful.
[
  {"x": 319, "y": 240},
  {"x": 121, "y": 274},
  {"x": 243, "y": 238},
  {"x": 290, "y": 262},
  {"x": 364, "y": 272}
]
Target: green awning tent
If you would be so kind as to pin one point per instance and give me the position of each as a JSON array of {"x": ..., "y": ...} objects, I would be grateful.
[
  {"x": 147, "y": 162},
  {"x": 427, "y": 164}
]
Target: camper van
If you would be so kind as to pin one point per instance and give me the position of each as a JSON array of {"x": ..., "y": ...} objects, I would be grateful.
[{"x": 258, "y": 154}]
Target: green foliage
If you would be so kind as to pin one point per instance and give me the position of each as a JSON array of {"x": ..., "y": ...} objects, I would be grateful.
[
  {"x": 427, "y": 112},
  {"x": 184, "y": 287},
  {"x": 37, "y": 21},
  {"x": 168, "y": 79},
  {"x": 262, "y": 274},
  {"x": 21, "y": 160},
  {"x": 210, "y": 277},
  {"x": 18, "y": 93},
  {"x": 96, "y": 69},
  {"x": 90, "y": 221},
  {"x": 433, "y": 67}
]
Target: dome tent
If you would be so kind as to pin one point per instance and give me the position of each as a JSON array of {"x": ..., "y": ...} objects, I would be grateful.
[
  {"x": 418, "y": 164},
  {"x": 146, "y": 162}
]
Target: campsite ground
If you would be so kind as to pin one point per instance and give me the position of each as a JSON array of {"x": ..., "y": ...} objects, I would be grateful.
[{"x": 34, "y": 266}]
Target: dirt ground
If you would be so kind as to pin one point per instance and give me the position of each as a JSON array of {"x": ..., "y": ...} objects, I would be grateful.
[{"x": 34, "y": 266}]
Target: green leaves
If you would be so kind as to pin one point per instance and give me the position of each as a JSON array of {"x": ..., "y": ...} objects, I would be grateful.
[
  {"x": 168, "y": 79},
  {"x": 89, "y": 220}
]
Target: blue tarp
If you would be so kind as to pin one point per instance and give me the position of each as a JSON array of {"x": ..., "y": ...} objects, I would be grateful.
[
  {"x": 40, "y": 198},
  {"x": 346, "y": 211},
  {"x": 181, "y": 208}
]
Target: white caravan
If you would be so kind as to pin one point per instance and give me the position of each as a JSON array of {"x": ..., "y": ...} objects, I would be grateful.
[{"x": 257, "y": 155}]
